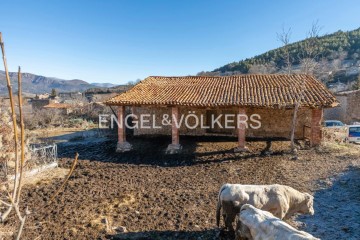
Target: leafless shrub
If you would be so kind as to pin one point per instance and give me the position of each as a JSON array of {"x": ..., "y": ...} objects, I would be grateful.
[
  {"x": 334, "y": 135},
  {"x": 89, "y": 113},
  {"x": 7, "y": 145},
  {"x": 44, "y": 118}
]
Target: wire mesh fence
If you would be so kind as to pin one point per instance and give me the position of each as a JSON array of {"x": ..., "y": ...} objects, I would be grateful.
[{"x": 42, "y": 154}]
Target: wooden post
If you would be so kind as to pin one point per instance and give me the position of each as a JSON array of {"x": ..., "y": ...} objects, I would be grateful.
[
  {"x": 241, "y": 128},
  {"x": 22, "y": 162},
  {"x": 122, "y": 145},
  {"x": 175, "y": 146},
  {"x": 316, "y": 119}
]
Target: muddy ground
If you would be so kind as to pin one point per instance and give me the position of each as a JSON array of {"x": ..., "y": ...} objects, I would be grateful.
[{"x": 158, "y": 196}]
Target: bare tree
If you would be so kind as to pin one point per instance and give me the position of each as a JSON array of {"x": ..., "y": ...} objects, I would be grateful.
[
  {"x": 309, "y": 54},
  {"x": 133, "y": 83},
  {"x": 323, "y": 70},
  {"x": 308, "y": 60},
  {"x": 284, "y": 37},
  {"x": 339, "y": 57}
]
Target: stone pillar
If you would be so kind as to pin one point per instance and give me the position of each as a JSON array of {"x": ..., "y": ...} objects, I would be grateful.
[
  {"x": 175, "y": 146},
  {"x": 241, "y": 128},
  {"x": 316, "y": 119},
  {"x": 122, "y": 144}
]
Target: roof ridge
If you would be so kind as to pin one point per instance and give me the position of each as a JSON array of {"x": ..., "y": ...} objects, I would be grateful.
[{"x": 237, "y": 75}]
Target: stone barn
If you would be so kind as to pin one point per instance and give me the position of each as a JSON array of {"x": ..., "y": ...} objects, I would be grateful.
[{"x": 228, "y": 105}]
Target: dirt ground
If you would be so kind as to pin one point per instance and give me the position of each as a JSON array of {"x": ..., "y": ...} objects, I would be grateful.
[
  {"x": 337, "y": 204},
  {"x": 158, "y": 196}
]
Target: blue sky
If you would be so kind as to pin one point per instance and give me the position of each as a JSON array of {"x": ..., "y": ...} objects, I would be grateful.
[{"x": 119, "y": 41}]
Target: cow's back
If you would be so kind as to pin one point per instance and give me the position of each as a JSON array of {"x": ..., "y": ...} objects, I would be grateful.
[
  {"x": 263, "y": 225},
  {"x": 271, "y": 198}
]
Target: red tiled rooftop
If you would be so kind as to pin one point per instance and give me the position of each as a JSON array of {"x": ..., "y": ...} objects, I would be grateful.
[
  {"x": 58, "y": 105},
  {"x": 271, "y": 90}
]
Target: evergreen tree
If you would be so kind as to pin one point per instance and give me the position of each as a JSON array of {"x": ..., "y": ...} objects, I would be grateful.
[
  {"x": 356, "y": 86},
  {"x": 53, "y": 93}
]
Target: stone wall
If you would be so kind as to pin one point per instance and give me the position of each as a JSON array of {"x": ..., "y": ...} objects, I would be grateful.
[
  {"x": 339, "y": 112},
  {"x": 37, "y": 104},
  {"x": 277, "y": 122},
  {"x": 353, "y": 107},
  {"x": 99, "y": 97},
  {"x": 274, "y": 122},
  {"x": 349, "y": 109}
]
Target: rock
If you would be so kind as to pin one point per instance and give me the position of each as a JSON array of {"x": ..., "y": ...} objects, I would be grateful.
[
  {"x": 266, "y": 153},
  {"x": 120, "y": 229},
  {"x": 344, "y": 181}
]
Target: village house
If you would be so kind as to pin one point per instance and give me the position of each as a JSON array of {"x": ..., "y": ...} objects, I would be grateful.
[
  {"x": 38, "y": 104},
  {"x": 270, "y": 98},
  {"x": 71, "y": 96},
  {"x": 62, "y": 107}
]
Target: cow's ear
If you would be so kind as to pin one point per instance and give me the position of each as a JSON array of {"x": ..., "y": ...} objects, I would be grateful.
[{"x": 308, "y": 196}]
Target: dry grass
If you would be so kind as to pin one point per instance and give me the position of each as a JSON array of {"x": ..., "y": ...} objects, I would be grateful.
[{"x": 46, "y": 176}]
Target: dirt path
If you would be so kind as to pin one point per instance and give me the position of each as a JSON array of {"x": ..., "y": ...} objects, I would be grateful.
[
  {"x": 157, "y": 196},
  {"x": 337, "y": 204}
]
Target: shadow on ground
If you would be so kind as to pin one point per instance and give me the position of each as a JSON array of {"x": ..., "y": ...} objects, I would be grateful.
[
  {"x": 151, "y": 150},
  {"x": 181, "y": 235}
]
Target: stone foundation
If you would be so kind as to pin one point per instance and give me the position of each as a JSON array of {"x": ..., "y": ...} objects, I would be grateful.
[
  {"x": 123, "y": 147},
  {"x": 241, "y": 149},
  {"x": 173, "y": 149}
]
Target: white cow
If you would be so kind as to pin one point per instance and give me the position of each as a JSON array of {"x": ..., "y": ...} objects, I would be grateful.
[
  {"x": 282, "y": 201},
  {"x": 264, "y": 225}
]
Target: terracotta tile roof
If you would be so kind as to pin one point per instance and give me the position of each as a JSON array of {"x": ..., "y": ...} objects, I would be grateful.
[
  {"x": 58, "y": 105},
  {"x": 272, "y": 91}
]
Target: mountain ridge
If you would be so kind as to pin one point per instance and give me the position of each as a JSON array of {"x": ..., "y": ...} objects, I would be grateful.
[{"x": 37, "y": 84}]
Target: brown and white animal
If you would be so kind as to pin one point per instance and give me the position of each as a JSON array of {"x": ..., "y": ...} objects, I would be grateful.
[
  {"x": 264, "y": 225},
  {"x": 282, "y": 201}
]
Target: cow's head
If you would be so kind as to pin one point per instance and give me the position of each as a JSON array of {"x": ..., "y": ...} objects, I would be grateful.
[{"x": 307, "y": 206}]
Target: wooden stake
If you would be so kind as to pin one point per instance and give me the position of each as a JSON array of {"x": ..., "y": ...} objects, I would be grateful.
[
  {"x": 66, "y": 179},
  {"x": 12, "y": 115},
  {"x": 22, "y": 162},
  {"x": 17, "y": 183}
]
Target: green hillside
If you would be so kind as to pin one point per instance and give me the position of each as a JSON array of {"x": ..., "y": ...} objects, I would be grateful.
[{"x": 344, "y": 45}]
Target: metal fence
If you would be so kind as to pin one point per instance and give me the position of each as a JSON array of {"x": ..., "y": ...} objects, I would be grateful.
[{"x": 43, "y": 154}]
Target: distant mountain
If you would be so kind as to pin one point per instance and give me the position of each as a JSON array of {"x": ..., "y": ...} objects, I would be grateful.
[
  {"x": 36, "y": 84},
  {"x": 104, "y": 85}
]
